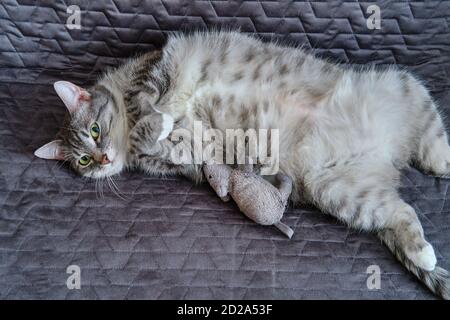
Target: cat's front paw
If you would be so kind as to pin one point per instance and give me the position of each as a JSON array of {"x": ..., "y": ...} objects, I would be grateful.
[
  {"x": 148, "y": 131},
  {"x": 135, "y": 143}
]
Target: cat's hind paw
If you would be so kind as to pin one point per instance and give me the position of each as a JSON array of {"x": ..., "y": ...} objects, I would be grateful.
[{"x": 423, "y": 258}]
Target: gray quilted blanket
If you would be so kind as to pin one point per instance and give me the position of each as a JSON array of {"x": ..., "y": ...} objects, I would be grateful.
[{"x": 169, "y": 238}]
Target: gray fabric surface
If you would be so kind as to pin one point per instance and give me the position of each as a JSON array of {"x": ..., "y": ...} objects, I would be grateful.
[{"x": 170, "y": 238}]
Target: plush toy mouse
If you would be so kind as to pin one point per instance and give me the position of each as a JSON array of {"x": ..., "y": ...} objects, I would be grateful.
[{"x": 257, "y": 198}]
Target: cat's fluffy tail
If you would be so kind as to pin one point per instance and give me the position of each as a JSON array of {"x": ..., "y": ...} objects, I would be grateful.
[{"x": 438, "y": 280}]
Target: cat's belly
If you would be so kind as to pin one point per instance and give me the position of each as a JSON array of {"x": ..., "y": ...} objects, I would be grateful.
[
  {"x": 350, "y": 132},
  {"x": 313, "y": 130}
]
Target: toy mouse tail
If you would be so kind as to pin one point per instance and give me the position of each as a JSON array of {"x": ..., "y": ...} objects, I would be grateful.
[{"x": 285, "y": 229}]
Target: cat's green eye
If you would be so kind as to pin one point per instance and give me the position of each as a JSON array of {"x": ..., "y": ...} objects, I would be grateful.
[
  {"x": 95, "y": 130},
  {"x": 85, "y": 160}
]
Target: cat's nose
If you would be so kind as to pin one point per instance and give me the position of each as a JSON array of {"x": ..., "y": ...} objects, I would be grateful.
[{"x": 105, "y": 159}]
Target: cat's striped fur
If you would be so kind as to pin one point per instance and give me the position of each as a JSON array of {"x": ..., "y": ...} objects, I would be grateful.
[{"x": 344, "y": 133}]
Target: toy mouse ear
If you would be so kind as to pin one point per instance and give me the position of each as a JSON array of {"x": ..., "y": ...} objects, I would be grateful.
[
  {"x": 51, "y": 151},
  {"x": 167, "y": 126},
  {"x": 71, "y": 94}
]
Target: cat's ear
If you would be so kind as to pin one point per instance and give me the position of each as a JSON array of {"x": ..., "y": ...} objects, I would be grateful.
[
  {"x": 51, "y": 151},
  {"x": 72, "y": 95},
  {"x": 167, "y": 126}
]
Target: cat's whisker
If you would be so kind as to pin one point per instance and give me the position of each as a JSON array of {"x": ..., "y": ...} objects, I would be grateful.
[
  {"x": 114, "y": 183},
  {"x": 96, "y": 189},
  {"x": 59, "y": 164},
  {"x": 102, "y": 187},
  {"x": 111, "y": 187},
  {"x": 119, "y": 193},
  {"x": 115, "y": 189},
  {"x": 99, "y": 188}
]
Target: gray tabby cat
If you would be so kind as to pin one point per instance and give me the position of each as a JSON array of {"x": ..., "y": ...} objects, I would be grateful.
[{"x": 344, "y": 133}]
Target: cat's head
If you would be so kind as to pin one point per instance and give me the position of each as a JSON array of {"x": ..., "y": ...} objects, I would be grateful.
[{"x": 93, "y": 138}]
